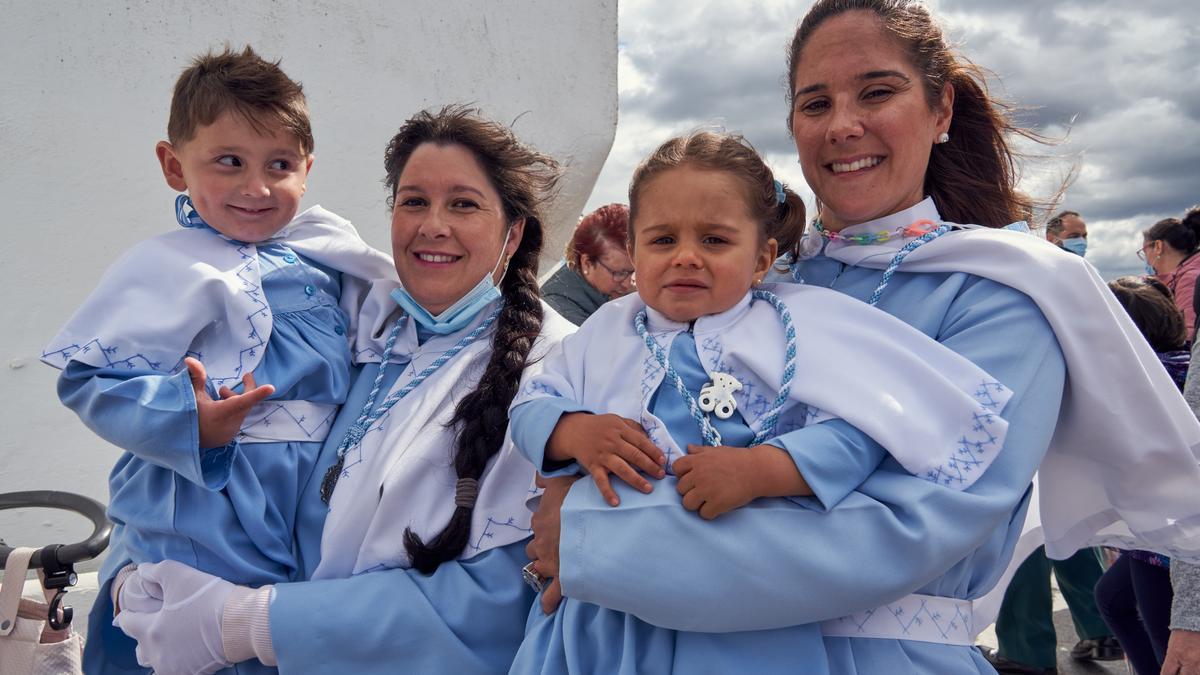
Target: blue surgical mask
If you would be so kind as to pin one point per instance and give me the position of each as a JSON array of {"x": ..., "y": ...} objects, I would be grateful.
[
  {"x": 455, "y": 317},
  {"x": 1150, "y": 271},
  {"x": 1076, "y": 245}
]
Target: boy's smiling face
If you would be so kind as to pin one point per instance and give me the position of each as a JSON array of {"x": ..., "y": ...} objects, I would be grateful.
[{"x": 245, "y": 184}]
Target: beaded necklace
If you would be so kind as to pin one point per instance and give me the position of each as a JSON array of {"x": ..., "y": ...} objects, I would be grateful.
[
  {"x": 924, "y": 230},
  {"x": 923, "y": 226},
  {"x": 707, "y": 430},
  {"x": 366, "y": 418}
]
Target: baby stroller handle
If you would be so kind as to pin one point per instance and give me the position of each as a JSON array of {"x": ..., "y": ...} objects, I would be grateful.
[
  {"x": 57, "y": 561},
  {"x": 60, "y": 555}
]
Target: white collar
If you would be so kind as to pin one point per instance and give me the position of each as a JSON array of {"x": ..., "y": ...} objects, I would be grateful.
[{"x": 922, "y": 210}]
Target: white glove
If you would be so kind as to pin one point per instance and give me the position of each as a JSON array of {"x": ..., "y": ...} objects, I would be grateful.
[{"x": 174, "y": 613}]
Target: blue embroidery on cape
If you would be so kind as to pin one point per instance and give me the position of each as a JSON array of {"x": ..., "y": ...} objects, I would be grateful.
[
  {"x": 489, "y": 530},
  {"x": 252, "y": 291},
  {"x": 976, "y": 443}
]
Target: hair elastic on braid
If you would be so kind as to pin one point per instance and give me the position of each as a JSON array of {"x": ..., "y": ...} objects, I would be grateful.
[{"x": 466, "y": 490}]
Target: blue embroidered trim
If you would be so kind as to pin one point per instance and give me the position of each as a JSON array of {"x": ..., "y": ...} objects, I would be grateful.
[
  {"x": 975, "y": 444},
  {"x": 488, "y": 533}
]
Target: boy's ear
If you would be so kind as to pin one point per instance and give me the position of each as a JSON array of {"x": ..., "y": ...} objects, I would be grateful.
[
  {"x": 307, "y": 168},
  {"x": 172, "y": 168}
]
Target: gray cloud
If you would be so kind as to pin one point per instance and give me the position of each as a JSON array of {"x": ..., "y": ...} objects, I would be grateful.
[{"x": 1117, "y": 80}]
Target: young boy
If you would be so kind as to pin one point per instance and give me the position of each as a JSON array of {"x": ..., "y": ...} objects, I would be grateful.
[{"x": 162, "y": 358}]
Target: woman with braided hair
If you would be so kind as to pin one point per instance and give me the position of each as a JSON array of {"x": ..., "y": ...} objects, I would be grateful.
[{"x": 420, "y": 560}]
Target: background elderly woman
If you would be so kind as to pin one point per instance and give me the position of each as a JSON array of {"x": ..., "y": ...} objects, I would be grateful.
[{"x": 598, "y": 268}]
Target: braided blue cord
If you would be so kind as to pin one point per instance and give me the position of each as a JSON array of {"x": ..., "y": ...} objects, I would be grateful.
[
  {"x": 711, "y": 436},
  {"x": 186, "y": 214},
  {"x": 366, "y": 418},
  {"x": 899, "y": 257},
  {"x": 710, "y": 433},
  {"x": 789, "y": 369}
]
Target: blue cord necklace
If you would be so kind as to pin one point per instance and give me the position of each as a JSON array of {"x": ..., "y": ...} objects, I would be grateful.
[
  {"x": 707, "y": 430},
  {"x": 366, "y": 417}
]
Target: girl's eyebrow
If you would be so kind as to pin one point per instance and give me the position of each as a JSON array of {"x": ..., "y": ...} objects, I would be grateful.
[{"x": 869, "y": 75}]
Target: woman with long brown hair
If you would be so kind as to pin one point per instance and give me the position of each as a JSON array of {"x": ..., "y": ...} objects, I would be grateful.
[{"x": 910, "y": 161}]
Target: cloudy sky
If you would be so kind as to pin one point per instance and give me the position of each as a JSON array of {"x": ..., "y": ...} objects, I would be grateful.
[{"x": 1118, "y": 81}]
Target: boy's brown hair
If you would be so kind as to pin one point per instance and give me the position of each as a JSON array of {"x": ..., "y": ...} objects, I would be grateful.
[{"x": 244, "y": 83}]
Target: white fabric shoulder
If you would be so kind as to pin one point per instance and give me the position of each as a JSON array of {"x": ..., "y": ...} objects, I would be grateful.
[
  {"x": 1122, "y": 467},
  {"x": 401, "y": 476},
  {"x": 191, "y": 292},
  {"x": 937, "y": 413}
]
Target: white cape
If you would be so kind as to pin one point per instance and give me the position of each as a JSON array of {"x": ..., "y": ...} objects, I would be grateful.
[
  {"x": 1122, "y": 467},
  {"x": 192, "y": 292},
  {"x": 937, "y": 413},
  {"x": 402, "y": 473}
]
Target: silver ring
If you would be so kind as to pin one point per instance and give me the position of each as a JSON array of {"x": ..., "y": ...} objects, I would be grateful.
[{"x": 531, "y": 577}]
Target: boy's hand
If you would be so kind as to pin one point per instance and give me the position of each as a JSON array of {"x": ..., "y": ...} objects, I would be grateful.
[
  {"x": 220, "y": 420},
  {"x": 605, "y": 444},
  {"x": 717, "y": 479}
]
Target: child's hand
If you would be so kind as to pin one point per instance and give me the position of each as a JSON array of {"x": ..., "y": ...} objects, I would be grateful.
[
  {"x": 605, "y": 444},
  {"x": 714, "y": 480},
  {"x": 220, "y": 420}
]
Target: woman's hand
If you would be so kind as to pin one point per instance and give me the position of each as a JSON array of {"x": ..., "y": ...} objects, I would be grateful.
[
  {"x": 220, "y": 420},
  {"x": 714, "y": 480},
  {"x": 605, "y": 444},
  {"x": 174, "y": 612},
  {"x": 542, "y": 549}
]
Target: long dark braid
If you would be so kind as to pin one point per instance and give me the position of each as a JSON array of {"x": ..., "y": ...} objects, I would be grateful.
[{"x": 525, "y": 179}]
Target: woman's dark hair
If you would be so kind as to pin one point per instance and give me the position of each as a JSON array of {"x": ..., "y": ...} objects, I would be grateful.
[
  {"x": 972, "y": 177},
  {"x": 1151, "y": 306},
  {"x": 606, "y": 225},
  {"x": 1181, "y": 235},
  {"x": 731, "y": 153},
  {"x": 525, "y": 180}
]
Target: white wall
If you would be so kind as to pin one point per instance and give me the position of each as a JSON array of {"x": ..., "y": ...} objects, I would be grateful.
[{"x": 84, "y": 93}]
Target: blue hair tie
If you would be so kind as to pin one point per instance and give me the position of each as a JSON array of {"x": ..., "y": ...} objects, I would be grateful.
[{"x": 780, "y": 195}]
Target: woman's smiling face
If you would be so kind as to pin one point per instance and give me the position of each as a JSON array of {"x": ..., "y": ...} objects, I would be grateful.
[
  {"x": 448, "y": 226},
  {"x": 862, "y": 125}
]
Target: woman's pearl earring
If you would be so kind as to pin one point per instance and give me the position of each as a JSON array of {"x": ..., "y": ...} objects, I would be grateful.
[{"x": 944, "y": 137}]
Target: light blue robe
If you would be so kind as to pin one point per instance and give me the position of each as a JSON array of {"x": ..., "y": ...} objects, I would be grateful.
[
  {"x": 228, "y": 511},
  {"x": 467, "y": 617},
  {"x": 754, "y": 577},
  {"x": 584, "y": 637}
]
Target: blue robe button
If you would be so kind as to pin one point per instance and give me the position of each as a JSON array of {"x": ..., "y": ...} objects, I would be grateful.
[
  {"x": 289, "y": 258},
  {"x": 339, "y": 330},
  {"x": 309, "y": 290}
]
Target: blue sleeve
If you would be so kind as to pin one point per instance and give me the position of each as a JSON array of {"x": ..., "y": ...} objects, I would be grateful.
[
  {"x": 834, "y": 457},
  {"x": 531, "y": 424},
  {"x": 467, "y": 617},
  {"x": 891, "y": 536},
  {"x": 148, "y": 414}
]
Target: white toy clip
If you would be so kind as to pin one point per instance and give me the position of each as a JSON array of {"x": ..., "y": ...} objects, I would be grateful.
[{"x": 717, "y": 397}]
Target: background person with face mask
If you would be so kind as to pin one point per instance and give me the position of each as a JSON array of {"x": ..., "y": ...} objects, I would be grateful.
[
  {"x": 1169, "y": 251},
  {"x": 1068, "y": 231}
]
